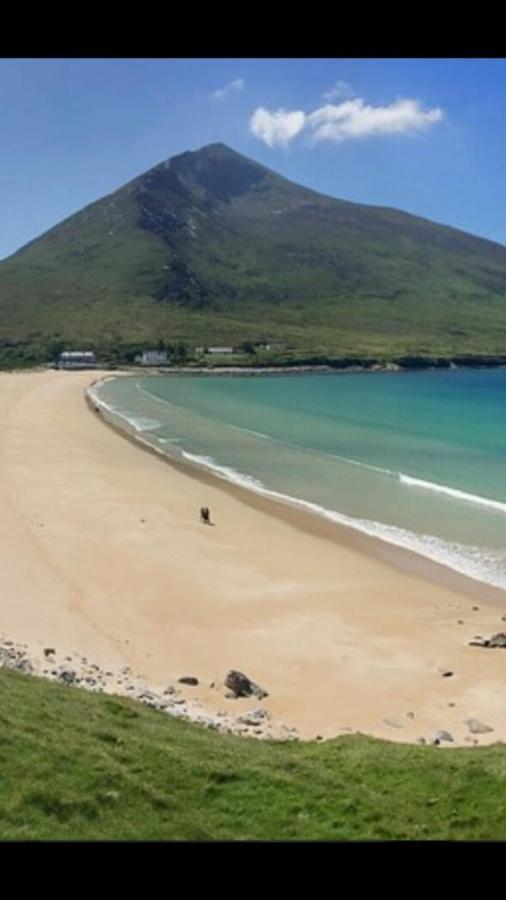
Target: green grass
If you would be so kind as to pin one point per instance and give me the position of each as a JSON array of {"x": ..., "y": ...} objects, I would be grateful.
[{"x": 81, "y": 766}]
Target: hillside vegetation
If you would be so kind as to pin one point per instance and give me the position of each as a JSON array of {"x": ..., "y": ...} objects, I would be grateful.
[
  {"x": 77, "y": 765},
  {"x": 210, "y": 247}
]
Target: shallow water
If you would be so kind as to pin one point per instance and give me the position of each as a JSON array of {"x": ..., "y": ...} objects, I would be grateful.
[{"x": 418, "y": 459}]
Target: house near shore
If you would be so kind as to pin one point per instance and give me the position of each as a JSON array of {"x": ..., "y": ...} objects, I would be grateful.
[
  {"x": 77, "y": 359},
  {"x": 220, "y": 350},
  {"x": 272, "y": 345},
  {"x": 153, "y": 358}
]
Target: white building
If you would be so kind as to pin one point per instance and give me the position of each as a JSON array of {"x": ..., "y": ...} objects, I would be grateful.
[
  {"x": 77, "y": 359},
  {"x": 154, "y": 358},
  {"x": 220, "y": 349}
]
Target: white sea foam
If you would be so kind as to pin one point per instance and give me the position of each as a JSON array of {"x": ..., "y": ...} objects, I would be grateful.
[
  {"x": 142, "y": 423},
  {"x": 452, "y": 492},
  {"x": 475, "y": 562},
  {"x": 478, "y": 563}
]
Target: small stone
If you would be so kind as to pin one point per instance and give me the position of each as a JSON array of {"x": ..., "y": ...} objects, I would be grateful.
[
  {"x": 451, "y": 703},
  {"x": 189, "y": 679},
  {"x": 169, "y": 690},
  {"x": 446, "y": 673},
  {"x": 254, "y": 717},
  {"x": 443, "y": 736},
  {"x": 319, "y": 737},
  {"x": 49, "y": 651},
  {"x": 460, "y": 621},
  {"x": 477, "y": 727},
  {"x": 475, "y": 608}
]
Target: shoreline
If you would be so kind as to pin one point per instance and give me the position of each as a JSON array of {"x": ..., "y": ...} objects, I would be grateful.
[
  {"x": 326, "y": 368},
  {"x": 105, "y": 558},
  {"x": 402, "y": 558}
]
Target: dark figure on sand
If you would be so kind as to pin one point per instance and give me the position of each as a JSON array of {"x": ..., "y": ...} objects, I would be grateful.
[{"x": 205, "y": 515}]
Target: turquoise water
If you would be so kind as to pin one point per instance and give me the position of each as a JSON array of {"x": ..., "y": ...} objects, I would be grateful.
[{"x": 418, "y": 459}]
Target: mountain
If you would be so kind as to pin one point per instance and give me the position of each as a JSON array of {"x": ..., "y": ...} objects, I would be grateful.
[{"x": 211, "y": 247}]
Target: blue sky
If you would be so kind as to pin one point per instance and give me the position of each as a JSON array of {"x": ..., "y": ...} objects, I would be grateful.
[{"x": 423, "y": 135}]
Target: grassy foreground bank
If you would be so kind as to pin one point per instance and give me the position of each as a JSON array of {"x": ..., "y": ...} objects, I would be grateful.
[{"x": 76, "y": 765}]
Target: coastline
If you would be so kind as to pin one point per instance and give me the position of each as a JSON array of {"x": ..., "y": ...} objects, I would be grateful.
[
  {"x": 401, "y": 558},
  {"x": 105, "y": 556}
]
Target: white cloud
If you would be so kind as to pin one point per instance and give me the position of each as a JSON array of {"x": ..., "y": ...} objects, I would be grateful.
[
  {"x": 349, "y": 119},
  {"x": 238, "y": 84},
  {"x": 339, "y": 89},
  {"x": 355, "y": 118},
  {"x": 276, "y": 129}
]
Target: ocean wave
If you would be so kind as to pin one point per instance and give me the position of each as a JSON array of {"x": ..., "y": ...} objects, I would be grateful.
[
  {"x": 482, "y": 564},
  {"x": 475, "y": 562},
  {"x": 226, "y": 472},
  {"x": 141, "y": 423},
  {"x": 451, "y": 492}
]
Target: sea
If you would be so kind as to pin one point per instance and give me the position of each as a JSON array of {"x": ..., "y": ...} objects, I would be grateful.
[{"x": 417, "y": 459}]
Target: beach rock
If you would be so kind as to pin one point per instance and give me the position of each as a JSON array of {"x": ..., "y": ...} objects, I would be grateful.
[
  {"x": 49, "y": 651},
  {"x": 497, "y": 640},
  {"x": 242, "y": 686},
  {"x": 255, "y": 717},
  {"x": 447, "y": 673},
  {"x": 442, "y": 736},
  {"x": 189, "y": 679},
  {"x": 477, "y": 727},
  {"x": 475, "y": 608},
  {"x": 68, "y": 676}
]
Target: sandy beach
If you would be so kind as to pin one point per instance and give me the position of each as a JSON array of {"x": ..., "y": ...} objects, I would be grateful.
[{"x": 103, "y": 553}]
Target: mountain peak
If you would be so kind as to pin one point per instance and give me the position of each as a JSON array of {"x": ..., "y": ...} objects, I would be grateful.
[{"x": 215, "y": 171}]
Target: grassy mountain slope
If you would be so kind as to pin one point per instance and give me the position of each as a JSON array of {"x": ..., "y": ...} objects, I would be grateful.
[
  {"x": 83, "y": 766},
  {"x": 210, "y": 247}
]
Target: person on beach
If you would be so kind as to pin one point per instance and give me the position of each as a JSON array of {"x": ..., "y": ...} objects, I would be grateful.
[{"x": 205, "y": 515}]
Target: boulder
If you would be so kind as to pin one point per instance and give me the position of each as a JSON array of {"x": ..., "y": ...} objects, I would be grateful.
[
  {"x": 477, "y": 727},
  {"x": 498, "y": 640},
  {"x": 242, "y": 686}
]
